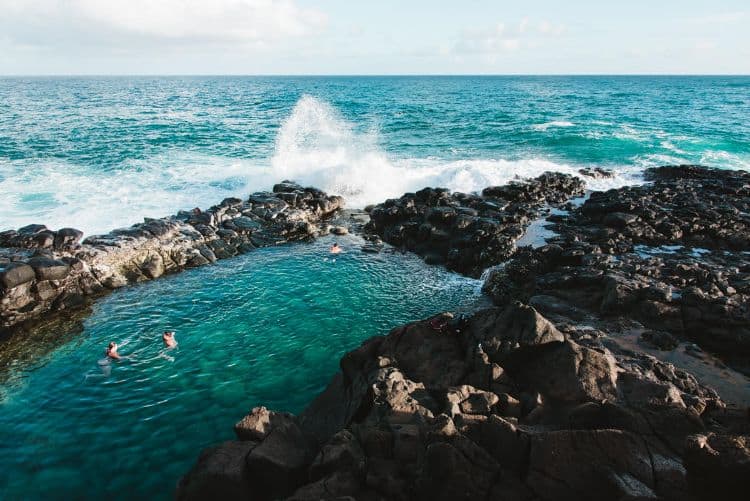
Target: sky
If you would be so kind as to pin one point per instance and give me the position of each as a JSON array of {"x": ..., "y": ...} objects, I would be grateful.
[{"x": 312, "y": 37}]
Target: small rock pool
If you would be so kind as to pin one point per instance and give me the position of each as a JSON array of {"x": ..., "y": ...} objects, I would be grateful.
[{"x": 266, "y": 328}]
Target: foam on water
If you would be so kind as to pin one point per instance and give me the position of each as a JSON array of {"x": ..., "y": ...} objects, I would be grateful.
[
  {"x": 60, "y": 194},
  {"x": 555, "y": 123},
  {"x": 315, "y": 146}
]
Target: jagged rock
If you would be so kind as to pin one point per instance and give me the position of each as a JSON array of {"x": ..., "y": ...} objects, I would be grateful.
[
  {"x": 49, "y": 269},
  {"x": 718, "y": 466},
  {"x": 67, "y": 237},
  {"x": 279, "y": 462},
  {"x": 580, "y": 374},
  {"x": 500, "y": 332},
  {"x": 660, "y": 340},
  {"x": 590, "y": 464},
  {"x": 468, "y": 233},
  {"x": 260, "y": 422},
  {"x": 664, "y": 254}
]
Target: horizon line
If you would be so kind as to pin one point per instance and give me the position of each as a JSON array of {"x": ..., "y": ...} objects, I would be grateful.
[{"x": 313, "y": 75}]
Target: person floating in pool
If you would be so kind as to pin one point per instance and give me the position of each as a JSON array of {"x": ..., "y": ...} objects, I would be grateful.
[
  {"x": 169, "y": 340},
  {"x": 112, "y": 351},
  {"x": 335, "y": 249}
]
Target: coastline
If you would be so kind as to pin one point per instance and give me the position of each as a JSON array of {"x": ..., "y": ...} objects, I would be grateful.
[{"x": 423, "y": 396}]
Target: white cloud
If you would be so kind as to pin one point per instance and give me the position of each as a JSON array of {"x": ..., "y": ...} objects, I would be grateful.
[
  {"x": 720, "y": 18},
  {"x": 180, "y": 22},
  {"x": 503, "y": 37}
]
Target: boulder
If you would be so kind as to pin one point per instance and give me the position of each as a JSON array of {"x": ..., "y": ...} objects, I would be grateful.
[
  {"x": 14, "y": 274},
  {"x": 260, "y": 422},
  {"x": 718, "y": 466},
  {"x": 278, "y": 464},
  {"x": 500, "y": 332},
  {"x": 579, "y": 374},
  {"x": 49, "y": 269},
  {"x": 660, "y": 340},
  {"x": 67, "y": 237},
  {"x": 590, "y": 465},
  {"x": 220, "y": 473}
]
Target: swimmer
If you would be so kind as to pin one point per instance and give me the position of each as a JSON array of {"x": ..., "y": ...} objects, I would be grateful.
[
  {"x": 335, "y": 249},
  {"x": 112, "y": 351},
  {"x": 169, "y": 340}
]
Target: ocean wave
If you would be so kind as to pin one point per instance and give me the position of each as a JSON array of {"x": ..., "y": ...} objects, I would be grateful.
[
  {"x": 555, "y": 123},
  {"x": 316, "y": 146},
  {"x": 61, "y": 194}
]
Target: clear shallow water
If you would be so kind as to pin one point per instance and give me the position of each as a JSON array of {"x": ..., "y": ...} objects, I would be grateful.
[
  {"x": 265, "y": 328},
  {"x": 134, "y": 147}
]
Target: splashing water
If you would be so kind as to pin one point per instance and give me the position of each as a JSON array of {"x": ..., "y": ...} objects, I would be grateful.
[{"x": 317, "y": 147}]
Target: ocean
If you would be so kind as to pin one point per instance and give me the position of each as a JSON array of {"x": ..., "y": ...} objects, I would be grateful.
[
  {"x": 100, "y": 153},
  {"x": 268, "y": 327}
]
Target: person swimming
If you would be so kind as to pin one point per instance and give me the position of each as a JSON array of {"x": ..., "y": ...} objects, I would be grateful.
[
  {"x": 169, "y": 340},
  {"x": 335, "y": 249},
  {"x": 112, "y": 351}
]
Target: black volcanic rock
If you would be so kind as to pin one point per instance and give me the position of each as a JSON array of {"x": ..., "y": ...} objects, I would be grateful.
[
  {"x": 670, "y": 255},
  {"x": 468, "y": 233}
]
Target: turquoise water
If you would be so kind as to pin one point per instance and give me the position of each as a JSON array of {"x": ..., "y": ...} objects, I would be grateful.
[
  {"x": 265, "y": 328},
  {"x": 269, "y": 327},
  {"x": 135, "y": 147}
]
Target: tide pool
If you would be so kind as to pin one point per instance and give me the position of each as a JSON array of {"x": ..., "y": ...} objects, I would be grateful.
[{"x": 267, "y": 328}]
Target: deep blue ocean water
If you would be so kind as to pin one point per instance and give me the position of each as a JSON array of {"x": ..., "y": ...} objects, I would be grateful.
[
  {"x": 269, "y": 327},
  {"x": 134, "y": 147}
]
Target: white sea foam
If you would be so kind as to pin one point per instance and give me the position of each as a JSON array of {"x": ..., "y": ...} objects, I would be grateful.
[
  {"x": 60, "y": 194},
  {"x": 555, "y": 123}
]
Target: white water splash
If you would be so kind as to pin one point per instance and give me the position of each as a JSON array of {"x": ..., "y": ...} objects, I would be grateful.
[{"x": 317, "y": 147}]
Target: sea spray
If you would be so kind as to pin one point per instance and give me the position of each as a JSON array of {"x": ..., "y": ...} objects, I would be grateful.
[{"x": 317, "y": 146}]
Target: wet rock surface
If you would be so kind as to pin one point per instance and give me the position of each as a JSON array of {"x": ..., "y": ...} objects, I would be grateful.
[
  {"x": 466, "y": 232},
  {"x": 671, "y": 255},
  {"x": 502, "y": 404},
  {"x": 44, "y": 271}
]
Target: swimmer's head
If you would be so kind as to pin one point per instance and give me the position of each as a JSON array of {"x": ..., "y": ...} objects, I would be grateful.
[{"x": 112, "y": 345}]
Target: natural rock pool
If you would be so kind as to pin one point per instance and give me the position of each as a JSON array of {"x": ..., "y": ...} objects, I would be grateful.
[{"x": 266, "y": 328}]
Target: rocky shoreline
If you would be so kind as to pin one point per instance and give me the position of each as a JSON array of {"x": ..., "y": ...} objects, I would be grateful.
[
  {"x": 43, "y": 272},
  {"x": 537, "y": 397}
]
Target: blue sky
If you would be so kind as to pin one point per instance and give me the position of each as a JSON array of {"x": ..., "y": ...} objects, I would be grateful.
[{"x": 384, "y": 37}]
